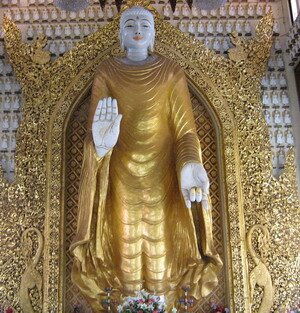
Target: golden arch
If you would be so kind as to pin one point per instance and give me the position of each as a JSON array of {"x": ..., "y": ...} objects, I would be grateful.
[
  {"x": 69, "y": 184},
  {"x": 69, "y": 100}
]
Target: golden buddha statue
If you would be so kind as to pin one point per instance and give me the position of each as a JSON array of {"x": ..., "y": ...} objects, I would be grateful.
[{"x": 141, "y": 171}]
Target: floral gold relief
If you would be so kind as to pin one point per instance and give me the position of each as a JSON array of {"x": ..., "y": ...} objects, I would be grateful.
[{"x": 230, "y": 88}]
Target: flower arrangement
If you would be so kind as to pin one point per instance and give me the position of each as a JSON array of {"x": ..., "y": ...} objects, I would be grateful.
[
  {"x": 286, "y": 308},
  {"x": 217, "y": 308},
  {"x": 142, "y": 302},
  {"x": 295, "y": 309},
  {"x": 6, "y": 310}
]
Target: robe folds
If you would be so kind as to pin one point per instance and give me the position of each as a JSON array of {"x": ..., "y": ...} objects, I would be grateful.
[{"x": 134, "y": 230}]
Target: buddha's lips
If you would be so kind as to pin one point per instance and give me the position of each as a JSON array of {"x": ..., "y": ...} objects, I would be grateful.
[{"x": 138, "y": 37}]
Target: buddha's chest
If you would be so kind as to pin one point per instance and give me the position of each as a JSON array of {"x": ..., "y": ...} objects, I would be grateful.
[{"x": 141, "y": 97}]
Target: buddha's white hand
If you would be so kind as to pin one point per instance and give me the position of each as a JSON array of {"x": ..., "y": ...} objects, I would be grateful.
[
  {"x": 194, "y": 184},
  {"x": 106, "y": 125}
]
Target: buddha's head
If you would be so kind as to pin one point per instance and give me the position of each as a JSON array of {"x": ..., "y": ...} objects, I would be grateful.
[{"x": 137, "y": 29}]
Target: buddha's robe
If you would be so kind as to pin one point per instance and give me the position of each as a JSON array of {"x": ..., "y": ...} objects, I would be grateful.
[{"x": 134, "y": 230}]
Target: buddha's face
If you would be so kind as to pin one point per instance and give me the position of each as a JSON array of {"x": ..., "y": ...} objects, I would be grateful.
[{"x": 137, "y": 31}]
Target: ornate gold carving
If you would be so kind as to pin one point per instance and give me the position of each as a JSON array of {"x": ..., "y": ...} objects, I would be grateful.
[
  {"x": 238, "y": 53},
  {"x": 260, "y": 275},
  {"x": 40, "y": 56},
  {"x": 231, "y": 90},
  {"x": 31, "y": 277}
]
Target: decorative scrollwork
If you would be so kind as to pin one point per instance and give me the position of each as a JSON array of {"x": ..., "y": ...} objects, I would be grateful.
[
  {"x": 238, "y": 53},
  {"x": 260, "y": 275},
  {"x": 31, "y": 277},
  {"x": 40, "y": 56}
]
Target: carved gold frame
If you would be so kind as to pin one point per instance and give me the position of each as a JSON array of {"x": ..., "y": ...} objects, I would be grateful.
[{"x": 231, "y": 88}]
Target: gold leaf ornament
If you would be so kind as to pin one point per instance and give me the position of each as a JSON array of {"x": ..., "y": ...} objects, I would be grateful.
[
  {"x": 237, "y": 54},
  {"x": 40, "y": 56}
]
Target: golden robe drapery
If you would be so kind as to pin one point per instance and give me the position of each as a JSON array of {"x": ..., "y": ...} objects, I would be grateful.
[{"x": 134, "y": 230}]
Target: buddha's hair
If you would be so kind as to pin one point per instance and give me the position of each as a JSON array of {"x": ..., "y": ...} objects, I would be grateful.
[{"x": 136, "y": 10}]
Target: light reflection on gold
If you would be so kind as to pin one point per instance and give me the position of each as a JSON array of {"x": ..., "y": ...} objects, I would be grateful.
[{"x": 155, "y": 245}]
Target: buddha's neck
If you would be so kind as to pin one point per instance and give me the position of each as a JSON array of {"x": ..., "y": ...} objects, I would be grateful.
[{"x": 137, "y": 54}]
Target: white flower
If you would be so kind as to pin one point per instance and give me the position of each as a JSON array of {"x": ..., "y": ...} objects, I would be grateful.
[{"x": 151, "y": 307}]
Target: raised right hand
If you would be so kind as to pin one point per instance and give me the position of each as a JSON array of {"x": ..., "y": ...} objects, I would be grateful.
[{"x": 106, "y": 125}]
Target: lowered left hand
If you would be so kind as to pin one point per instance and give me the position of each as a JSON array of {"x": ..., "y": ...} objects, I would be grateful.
[{"x": 194, "y": 184}]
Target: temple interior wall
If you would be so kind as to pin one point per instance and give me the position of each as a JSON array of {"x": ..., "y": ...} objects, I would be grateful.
[
  {"x": 65, "y": 29},
  {"x": 280, "y": 104}
]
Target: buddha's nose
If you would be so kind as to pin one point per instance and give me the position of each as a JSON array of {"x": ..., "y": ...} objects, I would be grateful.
[{"x": 138, "y": 30}]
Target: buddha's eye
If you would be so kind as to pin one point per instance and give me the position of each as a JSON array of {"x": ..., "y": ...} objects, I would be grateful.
[
  {"x": 145, "y": 26},
  {"x": 129, "y": 26}
]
